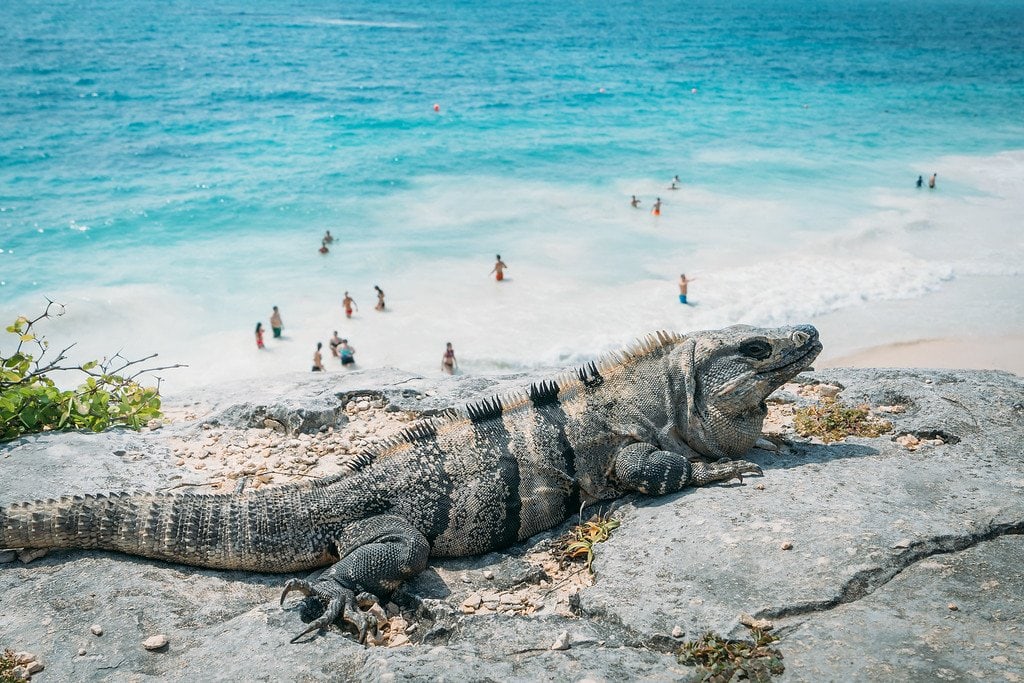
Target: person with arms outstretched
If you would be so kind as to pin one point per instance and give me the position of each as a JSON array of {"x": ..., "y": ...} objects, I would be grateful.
[{"x": 683, "y": 282}]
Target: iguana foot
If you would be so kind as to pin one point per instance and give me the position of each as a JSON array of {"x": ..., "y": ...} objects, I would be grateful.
[
  {"x": 723, "y": 470},
  {"x": 335, "y": 600}
]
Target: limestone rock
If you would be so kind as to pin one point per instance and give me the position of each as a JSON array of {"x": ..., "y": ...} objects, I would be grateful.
[
  {"x": 156, "y": 642},
  {"x": 856, "y": 511}
]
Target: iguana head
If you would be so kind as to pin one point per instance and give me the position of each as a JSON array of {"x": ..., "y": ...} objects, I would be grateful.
[{"x": 730, "y": 373}]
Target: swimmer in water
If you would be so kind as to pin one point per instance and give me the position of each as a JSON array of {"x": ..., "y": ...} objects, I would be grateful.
[
  {"x": 499, "y": 269},
  {"x": 349, "y": 303}
]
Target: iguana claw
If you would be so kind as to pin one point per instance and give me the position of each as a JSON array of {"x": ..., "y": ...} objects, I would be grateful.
[
  {"x": 300, "y": 585},
  {"x": 334, "y": 608},
  {"x": 340, "y": 601}
]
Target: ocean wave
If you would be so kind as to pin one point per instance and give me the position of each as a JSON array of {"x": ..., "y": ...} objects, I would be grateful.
[{"x": 362, "y": 23}]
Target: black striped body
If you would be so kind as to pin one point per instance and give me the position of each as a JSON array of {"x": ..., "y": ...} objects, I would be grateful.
[
  {"x": 481, "y": 478},
  {"x": 505, "y": 469}
]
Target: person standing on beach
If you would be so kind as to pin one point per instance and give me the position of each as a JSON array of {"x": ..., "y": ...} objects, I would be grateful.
[
  {"x": 318, "y": 362},
  {"x": 380, "y": 299},
  {"x": 349, "y": 303},
  {"x": 275, "y": 323},
  {"x": 920, "y": 181},
  {"x": 259, "y": 335},
  {"x": 448, "y": 362},
  {"x": 348, "y": 354},
  {"x": 657, "y": 207},
  {"x": 683, "y": 282},
  {"x": 635, "y": 203},
  {"x": 334, "y": 343},
  {"x": 931, "y": 181},
  {"x": 499, "y": 269}
]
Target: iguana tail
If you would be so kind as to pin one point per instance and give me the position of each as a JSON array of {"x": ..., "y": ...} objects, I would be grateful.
[{"x": 258, "y": 531}]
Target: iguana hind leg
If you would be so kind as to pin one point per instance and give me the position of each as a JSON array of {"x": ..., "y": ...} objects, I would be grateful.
[
  {"x": 642, "y": 467},
  {"x": 376, "y": 555}
]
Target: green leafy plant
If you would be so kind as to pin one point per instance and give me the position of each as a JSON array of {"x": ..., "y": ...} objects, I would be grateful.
[
  {"x": 722, "y": 660},
  {"x": 30, "y": 400},
  {"x": 833, "y": 421},
  {"x": 579, "y": 541}
]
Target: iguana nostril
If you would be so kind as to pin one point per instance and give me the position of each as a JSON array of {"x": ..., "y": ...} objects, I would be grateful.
[{"x": 801, "y": 337}]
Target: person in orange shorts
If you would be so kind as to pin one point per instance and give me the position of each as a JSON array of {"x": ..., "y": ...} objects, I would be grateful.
[
  {"x": 657, "y": 207},
  {"x": 499, "y": 269}
]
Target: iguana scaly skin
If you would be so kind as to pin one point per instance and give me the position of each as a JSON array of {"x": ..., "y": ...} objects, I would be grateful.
[{"x": 478, "y": 479}]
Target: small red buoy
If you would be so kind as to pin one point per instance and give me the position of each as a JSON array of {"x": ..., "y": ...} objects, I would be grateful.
[{"x": 437, "y": 107}]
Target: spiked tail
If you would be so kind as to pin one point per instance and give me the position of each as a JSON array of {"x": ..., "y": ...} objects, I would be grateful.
[{"x": 259, "y": 531}]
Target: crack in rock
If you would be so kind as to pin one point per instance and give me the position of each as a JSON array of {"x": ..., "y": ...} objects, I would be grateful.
[{"x": 867, "y": 581}]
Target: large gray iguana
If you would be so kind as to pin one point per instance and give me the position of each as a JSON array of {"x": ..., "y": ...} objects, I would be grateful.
[{"x": 477, "y": 479}]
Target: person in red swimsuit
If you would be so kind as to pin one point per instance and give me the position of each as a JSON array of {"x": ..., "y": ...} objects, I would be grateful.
[
  {"x": 349, "y": 303},
  {"x": 259, "y": 335}
]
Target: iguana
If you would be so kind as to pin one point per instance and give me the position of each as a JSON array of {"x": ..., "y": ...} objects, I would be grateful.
[{"x": 476, "y": 479}]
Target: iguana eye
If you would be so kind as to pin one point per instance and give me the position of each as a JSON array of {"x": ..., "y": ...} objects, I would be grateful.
[{"x": 756, "y": 348}]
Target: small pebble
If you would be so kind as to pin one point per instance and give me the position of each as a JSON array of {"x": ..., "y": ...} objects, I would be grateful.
[
  {"x": 81, "y": 652},
  {"x": 952, "y": 607},
  {"x": 677, "y": 632},
  {"x": 488, "y": 574},
  {"x": 34, "y": 667},
  {"x": 96, "y": 629},
  {"x": 155, "y": 642},
  {"x": 902, "y": 543},
  {"x": 787, "y": 545},
  {"x": 399, "y": 640},
  {"x": 22, "y": 657},
  {"x": 561, "y": 642}
]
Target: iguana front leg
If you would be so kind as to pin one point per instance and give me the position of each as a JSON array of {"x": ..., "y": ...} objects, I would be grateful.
[
  {"x": 375, "y": 556},
  {"x": 642, "y": 467}
]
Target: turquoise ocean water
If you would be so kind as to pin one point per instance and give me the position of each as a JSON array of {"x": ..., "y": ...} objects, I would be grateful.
[{"x": 167, "y": 170}]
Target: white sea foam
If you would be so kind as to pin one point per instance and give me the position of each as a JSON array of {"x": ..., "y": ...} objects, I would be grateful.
[{"x": 586, "y": 274}]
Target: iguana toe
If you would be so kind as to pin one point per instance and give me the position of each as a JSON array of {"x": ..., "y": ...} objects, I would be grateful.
[
  {"x": 722, "y": 470},
  {"x": 300, "y": 585}
]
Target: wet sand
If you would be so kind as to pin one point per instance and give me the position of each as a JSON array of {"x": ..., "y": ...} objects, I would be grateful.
[{"x": 979, "y": 353}]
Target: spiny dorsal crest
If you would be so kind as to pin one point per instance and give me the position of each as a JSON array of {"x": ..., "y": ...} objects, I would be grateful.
[{"x": 538, "y": 394}]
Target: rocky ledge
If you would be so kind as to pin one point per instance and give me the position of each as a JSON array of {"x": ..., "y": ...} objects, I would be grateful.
[{"x": 896, "y": 557}]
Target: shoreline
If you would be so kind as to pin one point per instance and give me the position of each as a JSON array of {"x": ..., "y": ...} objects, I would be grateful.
[{"x": 1003, "y": 352}]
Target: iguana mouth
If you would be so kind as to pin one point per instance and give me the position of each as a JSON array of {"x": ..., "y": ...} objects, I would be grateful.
[{"x": 805, "y": 357}]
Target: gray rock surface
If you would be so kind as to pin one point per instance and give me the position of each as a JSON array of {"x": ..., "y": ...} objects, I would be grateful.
[{"x": 884, "y": 539}]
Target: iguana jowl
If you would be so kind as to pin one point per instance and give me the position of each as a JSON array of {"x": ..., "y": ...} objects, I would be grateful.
[{"x": 478, "y": 479}]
